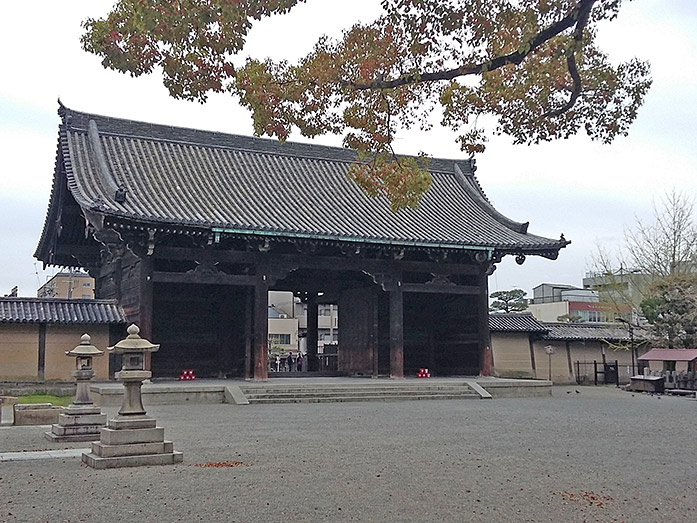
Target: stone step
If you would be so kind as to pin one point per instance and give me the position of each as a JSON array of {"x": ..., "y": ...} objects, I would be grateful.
[
  {"x": 349, "y": 389},
  {"x": 268, "y": 394},
  {"x": 284, "y": 394},
  {"x": 365, "y": 398}
]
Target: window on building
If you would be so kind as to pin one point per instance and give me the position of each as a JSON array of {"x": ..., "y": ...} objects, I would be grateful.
[
  {"x": 279, "y": 339},
  {"x": 86, "y": 284},
  {"x": 669, "y": 366}
]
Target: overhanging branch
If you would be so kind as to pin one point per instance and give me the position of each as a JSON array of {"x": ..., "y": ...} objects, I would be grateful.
[{"x": 577, "y": 17}]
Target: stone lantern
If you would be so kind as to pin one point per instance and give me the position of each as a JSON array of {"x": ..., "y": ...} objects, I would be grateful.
[
  {"x": 81, "y": 420},
  {"x": 132, "y": 438},
  {"x": 133, "y": 372}
]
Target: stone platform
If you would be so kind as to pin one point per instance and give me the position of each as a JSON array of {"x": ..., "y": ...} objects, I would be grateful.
[
  {"x": 77, "y": 423},
  {"x": 321, "y": 390},
  {"x": 131, "y": 442}
]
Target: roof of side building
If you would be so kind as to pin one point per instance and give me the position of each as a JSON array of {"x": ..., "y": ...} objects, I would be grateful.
[
  {"x": 515, "y": 322},
  {"x": 589, "y": 332},
  {"x": 63, "y": 311}
]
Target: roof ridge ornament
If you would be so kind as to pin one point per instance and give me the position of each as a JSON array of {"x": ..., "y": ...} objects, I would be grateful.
[{"x": 119, "y": 191}]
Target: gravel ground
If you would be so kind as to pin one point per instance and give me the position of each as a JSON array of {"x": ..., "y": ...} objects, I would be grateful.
[{"x": 600, "y": 455}]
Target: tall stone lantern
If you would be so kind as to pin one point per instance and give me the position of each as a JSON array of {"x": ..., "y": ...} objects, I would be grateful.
[
  {"x": 81, "y": 420},
  {"x": 133, "y": 372},
  {"x": 132, "y": 438}
]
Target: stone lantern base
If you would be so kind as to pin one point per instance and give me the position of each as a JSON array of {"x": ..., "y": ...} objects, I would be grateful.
[
  {"x": 131, "y": 441},
  {"x": 77, "y": 423}
]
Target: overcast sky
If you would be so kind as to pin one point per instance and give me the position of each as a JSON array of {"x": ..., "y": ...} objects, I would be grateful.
[{"x": 588, "y": 191}]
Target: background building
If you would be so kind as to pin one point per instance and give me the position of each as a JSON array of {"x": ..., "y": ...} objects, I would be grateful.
[
  {"x": 553, "y": 302},
  {"x": 68, "y": 285},
  {"x": 35, "y": 334}
]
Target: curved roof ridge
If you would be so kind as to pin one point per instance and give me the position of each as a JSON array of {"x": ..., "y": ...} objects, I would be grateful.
[
  {"x": 123, "y": 127},
  {"x": 472, "y": 187}
]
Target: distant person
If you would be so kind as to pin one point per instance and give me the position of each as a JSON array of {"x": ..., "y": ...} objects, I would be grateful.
[{"x": 299, "y": 362}]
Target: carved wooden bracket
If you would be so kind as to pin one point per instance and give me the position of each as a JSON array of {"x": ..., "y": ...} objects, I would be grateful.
[
  {"x": 441, "y": 280},
  {"x": 278, "y": 272},
  {"x": 386, "y": 280}
]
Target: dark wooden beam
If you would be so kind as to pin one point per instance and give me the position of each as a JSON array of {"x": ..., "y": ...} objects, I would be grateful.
[
  {"x": 219, "y": 278},
  {"x": 312, "y": 262},
  {"x": 472, "y": 290}
]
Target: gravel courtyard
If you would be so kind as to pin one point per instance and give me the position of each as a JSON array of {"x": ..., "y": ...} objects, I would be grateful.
[{"x": 599, "y": 455}]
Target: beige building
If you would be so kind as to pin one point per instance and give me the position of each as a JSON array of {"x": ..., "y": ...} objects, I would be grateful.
[
  {"x": 522, "y": 346},
  {"x": 68, "y": 285},
  {"x": 288, "y": 322},
  {"x": 35, "y": 334}
]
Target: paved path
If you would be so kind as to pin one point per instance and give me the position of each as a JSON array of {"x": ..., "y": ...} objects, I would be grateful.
[{"x": 600, "y": 455}]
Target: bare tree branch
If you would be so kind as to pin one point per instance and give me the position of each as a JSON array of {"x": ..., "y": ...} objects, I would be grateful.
[{"x": 584, "y": 15}]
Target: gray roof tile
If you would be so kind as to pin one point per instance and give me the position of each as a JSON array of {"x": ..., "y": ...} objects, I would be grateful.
[
  {"x": 589, "y": 332},
  {"x": 515, "y": 322},
  {"x": 258, "y": 186},
  {"x": 55, "y": 310}
]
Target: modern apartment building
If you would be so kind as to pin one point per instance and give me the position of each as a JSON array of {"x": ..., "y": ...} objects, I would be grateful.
[
  {"x": 69, "y": 285},
  {"x": 553, "y": 302}
]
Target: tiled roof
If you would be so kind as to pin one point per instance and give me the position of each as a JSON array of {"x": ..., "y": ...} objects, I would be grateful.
[
  {"x": 670, "y": 355},
  {"x": 515, "y": 322},
  {"x": 247, "y": 185},
  {"x": 54, "y": 310},
  {"x": 589, "y": 332}
]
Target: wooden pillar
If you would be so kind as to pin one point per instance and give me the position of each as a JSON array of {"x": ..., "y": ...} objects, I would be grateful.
[
  {"x": 41, "y": 367},
  {"x": 571, "y": 366},
  {"x": 146, "y": 304},
  {"x": 531, "y": 343},
  {"x": 397, "y": 330},
  {"x": 312, "y": 332},
  {"x": 483, "y": 323},
  {"x": 226, "y": 333},
  {"x": 375, "y": 345},
  {"x": 248, "y": 332},
  {"x": 261, "y": 325}
]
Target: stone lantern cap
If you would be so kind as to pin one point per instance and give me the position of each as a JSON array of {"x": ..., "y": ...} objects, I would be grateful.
[
  {"x": 133, "y": 342},
  {"x": 85, "y": 349}
]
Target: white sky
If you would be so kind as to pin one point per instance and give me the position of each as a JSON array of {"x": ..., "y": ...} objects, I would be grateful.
[{"x": 588, "y": 191}]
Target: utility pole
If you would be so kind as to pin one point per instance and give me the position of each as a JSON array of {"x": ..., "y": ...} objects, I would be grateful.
[{"x": 630, "y": 330}]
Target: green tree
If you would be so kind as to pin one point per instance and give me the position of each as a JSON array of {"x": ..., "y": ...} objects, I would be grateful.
[
  {"x": 530, "y": 68},
  {"x": 509, "y": 301}
]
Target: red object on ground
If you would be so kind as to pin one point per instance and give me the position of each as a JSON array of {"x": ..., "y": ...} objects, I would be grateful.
[
  {"x": 423, "y": 373},
  {"x": 187, "y": 375}
]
